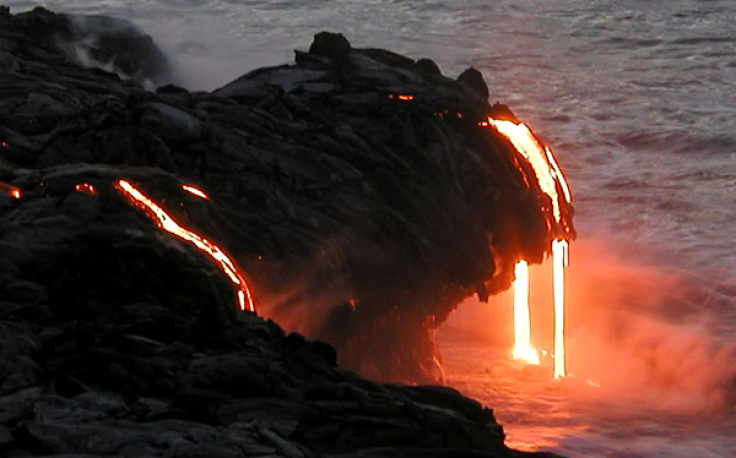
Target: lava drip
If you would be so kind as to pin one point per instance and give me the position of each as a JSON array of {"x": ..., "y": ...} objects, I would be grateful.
[
  {"x": 552, "y": 183},
  {"x": 164, "y": 221},
  {"x": 523, "y": 349},
  {"x": 560, "y": 261}
]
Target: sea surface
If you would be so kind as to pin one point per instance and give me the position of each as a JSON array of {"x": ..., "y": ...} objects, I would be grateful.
[{"x": 638, "y": 99}]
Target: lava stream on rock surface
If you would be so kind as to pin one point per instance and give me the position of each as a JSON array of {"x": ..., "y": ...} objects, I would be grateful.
[{"x": 164, "y": 221}]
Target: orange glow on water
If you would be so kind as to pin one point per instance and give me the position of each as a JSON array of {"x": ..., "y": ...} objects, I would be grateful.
[
  {"x": 86, "y": 188},
  {"x": 164, "y": 221},
  {"x": 195, "y": 190},
  {"x": 523, "y": 349}
]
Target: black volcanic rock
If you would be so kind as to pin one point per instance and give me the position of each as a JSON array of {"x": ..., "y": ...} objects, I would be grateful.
[
  {"x": 328, "y": 186},
  {"x": 355, "y": 189},
  {"x": 427, "y": 68},
  {"x": 329, "y": 44},
  {"x": 102, "y": 42},
  {"x": 474, "y": 80},
  {"x": 117, "y": 341}
]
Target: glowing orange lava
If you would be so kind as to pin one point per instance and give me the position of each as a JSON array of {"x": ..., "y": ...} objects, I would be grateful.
[
  {"x": 540, "y": 158},
  {"x": 404, "y": 97},
  {"x": 10, "y": 190},
  {"x": 164, "y": 221},
  {"x": 552, "y": 182},
  {"x": 523, "y": 349},
  {"x": 195, "y": 190},
  {"x": 86, "y": 188},
  {"x": 560, "y": 260}
]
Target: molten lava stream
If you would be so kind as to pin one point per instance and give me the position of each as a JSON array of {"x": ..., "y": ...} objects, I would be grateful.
[
  {"x": 195, "y": 191},
  {"x": 523, "y": 349},
  {"x": 164, "y": 221},
  {"x": 549, "y": 176},
  {"x": 527, "y": 146},
  {"x": 560, "y": 260}
]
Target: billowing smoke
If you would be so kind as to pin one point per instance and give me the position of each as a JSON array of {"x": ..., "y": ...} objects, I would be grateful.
[
  {"x": 646, "y": 336},
  {"x": 650, "y": 335},
  {"x": 109, "y": 44}
]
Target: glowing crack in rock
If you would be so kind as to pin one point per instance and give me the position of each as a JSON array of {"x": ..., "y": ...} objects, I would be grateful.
[
  {"x": 402, "y": 97},
  {"x": 523, "y": 349},
  {"x": 195, "y": 191},
  {"x": 164, "y": 221},
  {"x": 86, "y": 188},
  {"x": 551, "y": 181},
  {"x": 560, "y": 260},
  {"x": 10, "y": 190}
]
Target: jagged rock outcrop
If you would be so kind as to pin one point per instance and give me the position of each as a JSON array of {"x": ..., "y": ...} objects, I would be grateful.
[
  {"x": 356, "y": 190},
  {"x": 355, "y": 187},
  {"x": 99, "y": 42},
  {"x": 115, "y": 340}
]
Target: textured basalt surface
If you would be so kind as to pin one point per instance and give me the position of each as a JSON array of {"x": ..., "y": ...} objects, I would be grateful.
[
  {"x": 362, "y": 218},
  {"x": 356, "y": 190}
]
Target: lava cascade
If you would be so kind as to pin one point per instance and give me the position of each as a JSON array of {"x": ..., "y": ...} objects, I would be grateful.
[{"x": 553, "y": 184}]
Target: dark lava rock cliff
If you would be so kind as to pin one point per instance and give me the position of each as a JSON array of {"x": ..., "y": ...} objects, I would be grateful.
[{"x": 354, "y": 188}]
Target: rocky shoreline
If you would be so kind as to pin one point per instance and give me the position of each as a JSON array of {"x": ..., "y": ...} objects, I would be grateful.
[{"x": 355, "y": 190}]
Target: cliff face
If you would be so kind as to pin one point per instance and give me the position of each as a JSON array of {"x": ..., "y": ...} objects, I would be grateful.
[
  {"x": 356, "y": 191},
  {"x": 355, "y": 187}
]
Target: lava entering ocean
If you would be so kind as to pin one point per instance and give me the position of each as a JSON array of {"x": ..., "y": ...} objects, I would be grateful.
[
  {"x": 164, "y": 221},
  {"x": 552, "y": 182},
  {"x": 523, "y": 349}
]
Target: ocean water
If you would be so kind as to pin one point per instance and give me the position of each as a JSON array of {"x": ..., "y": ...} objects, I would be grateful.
[{"x": 638, "y": 99}]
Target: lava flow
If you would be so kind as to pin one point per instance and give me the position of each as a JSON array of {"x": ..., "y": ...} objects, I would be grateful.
[
  {"x": 164, "y": 221},
  {"x": 552, "y": 182},
  {"x": 195, "y": 191},
  {"x": 560, "y": 261},
  {"x": 541, "y": 159},
  {"x": 523, "y": 349}
]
